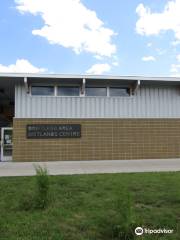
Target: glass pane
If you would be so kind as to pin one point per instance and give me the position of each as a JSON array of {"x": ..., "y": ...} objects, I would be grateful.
[
  {"x": 68, "y": 91},
  {"x": 115, "y": 91},
  {"x": 42, "y": 90},
  {"x": 96, "y": 91},
  {"x": 7, "y": 151},
  {"x": 7, "y": 137}
]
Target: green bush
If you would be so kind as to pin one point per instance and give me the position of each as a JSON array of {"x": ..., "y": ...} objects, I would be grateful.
[
  {"x": 42, "y": 187},
  {"x": 38, "y": 197}
]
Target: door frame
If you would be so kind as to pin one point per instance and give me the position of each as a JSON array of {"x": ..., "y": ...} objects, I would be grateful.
[{"x": 5, "y": 158}]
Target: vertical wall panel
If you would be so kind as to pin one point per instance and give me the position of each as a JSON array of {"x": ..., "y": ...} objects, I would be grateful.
[{"x": 148, "y": 102}]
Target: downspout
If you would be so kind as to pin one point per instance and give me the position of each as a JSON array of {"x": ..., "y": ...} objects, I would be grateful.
[
  {"x": 83, "y": 86},
  {"x": 135, "y": 87},
  {"x": 26, "y": 84}
]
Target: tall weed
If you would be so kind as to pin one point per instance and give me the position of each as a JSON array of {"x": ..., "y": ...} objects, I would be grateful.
[{"x": 42, "y": 187}]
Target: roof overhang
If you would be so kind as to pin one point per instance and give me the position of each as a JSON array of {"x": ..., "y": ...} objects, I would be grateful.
[{"x": 14, "y": 78}]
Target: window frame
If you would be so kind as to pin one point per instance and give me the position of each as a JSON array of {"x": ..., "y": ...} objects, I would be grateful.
[
  {"x": 56, "y": 85},
  {"x": 97, "y": 86},
  {"x": 121, "y": 87},
  {"x": 66, "y": 85},
  {"x": 42, "y": 85}
]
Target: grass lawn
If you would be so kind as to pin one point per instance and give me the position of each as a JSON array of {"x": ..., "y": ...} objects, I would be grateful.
[{"x": 84, "y": 207}]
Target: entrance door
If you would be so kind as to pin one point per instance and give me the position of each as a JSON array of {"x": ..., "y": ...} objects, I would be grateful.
[{"x": 6, "y": 144}]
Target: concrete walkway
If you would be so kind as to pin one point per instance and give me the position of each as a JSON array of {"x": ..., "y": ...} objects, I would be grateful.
[{"x": 90, "y": 167}]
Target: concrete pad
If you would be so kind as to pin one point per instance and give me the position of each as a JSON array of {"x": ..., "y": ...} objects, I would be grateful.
[{"x": 90, "y": 167}]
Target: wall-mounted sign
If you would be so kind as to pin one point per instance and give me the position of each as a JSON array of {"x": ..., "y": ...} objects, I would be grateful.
[{"x": 53, "y": 131}]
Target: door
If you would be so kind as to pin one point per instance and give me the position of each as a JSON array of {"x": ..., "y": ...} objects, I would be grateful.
[{"x": 6, "y": 144}]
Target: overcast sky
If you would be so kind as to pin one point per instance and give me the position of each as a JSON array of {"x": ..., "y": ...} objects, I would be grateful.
[{"x": 132, "y": 37}]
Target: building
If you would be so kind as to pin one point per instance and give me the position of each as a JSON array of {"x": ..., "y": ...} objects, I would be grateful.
[{"x": 74, "y": 117}]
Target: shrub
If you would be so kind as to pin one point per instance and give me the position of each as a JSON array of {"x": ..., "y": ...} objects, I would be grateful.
[
  {"x": 42, "y": 187},
  {"x": 38, "y": 197}
]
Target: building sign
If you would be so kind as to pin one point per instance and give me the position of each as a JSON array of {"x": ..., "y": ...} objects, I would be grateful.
[{"x": 54, "y": 131}]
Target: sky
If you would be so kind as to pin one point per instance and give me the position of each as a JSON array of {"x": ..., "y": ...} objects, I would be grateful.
[{"x": 132, "y": 37}]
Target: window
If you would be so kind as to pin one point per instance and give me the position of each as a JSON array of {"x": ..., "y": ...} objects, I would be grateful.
[
  {"x": 118, "y": 91},
  {"x": 96, "y": 91},
  {"x": 68, "y": 91},
  {"x": 42, "y": 90}
]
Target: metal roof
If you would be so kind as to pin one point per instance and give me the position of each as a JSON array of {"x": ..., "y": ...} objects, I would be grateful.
[
  {"x": 76, "y": 76},
  {"x": 14, "y": 78}
]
